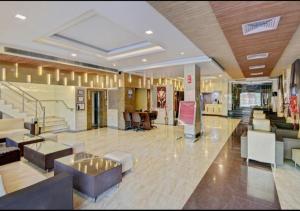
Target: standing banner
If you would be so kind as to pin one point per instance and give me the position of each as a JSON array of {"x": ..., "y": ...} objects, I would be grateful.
[{"x": 187, "y": 113}]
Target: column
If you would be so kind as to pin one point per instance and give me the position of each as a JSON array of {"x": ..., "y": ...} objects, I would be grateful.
[{"x": 192, "y": 93}]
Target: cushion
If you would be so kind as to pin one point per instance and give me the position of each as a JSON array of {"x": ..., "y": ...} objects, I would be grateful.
[
  {"x": 124, "y": 158},
  {"x": 286, "y": 126},
  {"x": 11, "y": 124},
  {"x": 261, "y": 124},
  {"x": 5, "y": 133},
  {"x": 2, "y": 189}
]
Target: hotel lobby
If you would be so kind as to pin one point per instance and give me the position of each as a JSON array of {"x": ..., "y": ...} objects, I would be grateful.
[{"x": 149, "y": 105}]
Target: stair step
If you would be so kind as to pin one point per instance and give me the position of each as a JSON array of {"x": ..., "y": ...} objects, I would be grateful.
[{"x": 55, "y": 128}]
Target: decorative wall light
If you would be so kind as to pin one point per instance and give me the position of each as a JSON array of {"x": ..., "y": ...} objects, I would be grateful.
[
  {"x": 97, "y": 79},
  {"x": 40, "y": 70},
  {"x": 28, "y": 78},
  {"x": 115, "y": 78},
  {"x": 151, "y": 79},
  {"x": 57, "y": 74},
  {"x": 85, "y": 77},
  {"x": 107, "y": 81},
  {"x": 140, "y": 83},
  {"x": 3, "y": 74},
  {"x": 79, "y": 80},
  {"x": 120, "y": 82},
  {"x": 48, "y": 78},
  {"x": 102, "y": 82},
  {"x": 17, "y": 70},
  {"x": 111, "y": 82},
  {"x": 65, "y": 81},
  {"x": 144, "y": 80},
  {"x": 159, "y": 81},
  {"x": 129, "y": 78},
  {"x": 72, "y": 75},
  {"x": 91, "y": 84}
]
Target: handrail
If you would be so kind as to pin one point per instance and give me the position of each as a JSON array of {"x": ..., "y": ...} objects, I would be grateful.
[
  {"x": 62, "y": 101},
  {"x": 27, "y": 96}
]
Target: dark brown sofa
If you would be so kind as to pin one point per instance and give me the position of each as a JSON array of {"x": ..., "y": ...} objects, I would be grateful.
[
  {"x": 51, "y": 194},
  {"x": 9, "y": 154}
]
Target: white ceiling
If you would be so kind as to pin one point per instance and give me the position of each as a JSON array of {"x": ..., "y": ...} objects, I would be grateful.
[{"x": 112, "y": 25}]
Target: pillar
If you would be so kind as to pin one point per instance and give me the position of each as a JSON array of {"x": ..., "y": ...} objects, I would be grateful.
[{"x": 192, "y": 93}]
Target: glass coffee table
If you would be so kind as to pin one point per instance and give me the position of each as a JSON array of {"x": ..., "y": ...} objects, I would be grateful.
[
  {"x": 92, "y": 175},
  {"x": 44, "y": 153},
  {"x": 21, "y": 140}
]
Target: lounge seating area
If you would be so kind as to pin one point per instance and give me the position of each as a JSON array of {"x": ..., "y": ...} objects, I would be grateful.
[
  {"x": 140, "y": 120},
  {"x": 270, "y": 135}
]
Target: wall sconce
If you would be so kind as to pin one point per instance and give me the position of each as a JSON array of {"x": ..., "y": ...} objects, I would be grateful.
[
  {"x": 17, "y": 70},
  {"x": 57, "y": 75},
  {"x": 97, "y": 79},
  {"x": 48, "y": 78},
  {"x": 85, "y": 77},
  {"x": 40, "y": 70},
  {"x": 65, "y": 81},
  {"x": 129, "y": 78},
  {"x": 72, "y": 75},
  {"x": 28, "y": 78},
  {"x": 3, "y": 74},
  {"x": 79, "y": 80},
  {"x": 115, "y": 78}
]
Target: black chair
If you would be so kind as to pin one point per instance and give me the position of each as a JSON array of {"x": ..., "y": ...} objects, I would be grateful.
[
  {"x": 127, "y": 119},
  {"x": 153, "y": 116},
  {"x": 137, "y": 122}
]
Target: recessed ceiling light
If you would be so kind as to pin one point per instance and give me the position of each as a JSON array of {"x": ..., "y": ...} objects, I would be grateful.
[
  {"x": 21, "y": 17},
  {"x": 182, "y": 53},
  {"x": 74, "y": 54},
  {"x": 114, "y": 65},
  {"x": 144, "y": 60},
  {"x": 149, "y": 32},
  {"x": 260, "y": 73},
  {"x": 256, "y": 67},
  {"x": 257, "y": 56},
  {"x": 220, "y": 75}
]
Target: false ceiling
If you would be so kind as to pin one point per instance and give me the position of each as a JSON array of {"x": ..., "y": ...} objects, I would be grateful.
[
  {"x": 105, "y": 33},
  {"x": 231, "y": 15}
]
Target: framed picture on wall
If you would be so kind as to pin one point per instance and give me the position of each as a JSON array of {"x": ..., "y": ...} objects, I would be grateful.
[
  {"x": 161, "y": 97},
  {"x": 80, "y": 92},
  {"x": 80, "y": 106},
  {"x": 80, "y": 99}
]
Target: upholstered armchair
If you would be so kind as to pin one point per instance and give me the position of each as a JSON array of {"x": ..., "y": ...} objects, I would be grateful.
[{"x": 261, "y": 146}]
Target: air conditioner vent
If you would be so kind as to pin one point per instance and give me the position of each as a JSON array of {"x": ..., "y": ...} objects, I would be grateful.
[
  {"x": 54, "y": 59},
  {"x": 257, "y": 56},
  {"x": 260, "y": 26}
]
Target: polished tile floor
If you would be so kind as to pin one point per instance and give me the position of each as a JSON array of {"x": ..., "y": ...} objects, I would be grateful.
[
  {"x": 165, "y": 173},
  {"x": 230, "y": 184}
]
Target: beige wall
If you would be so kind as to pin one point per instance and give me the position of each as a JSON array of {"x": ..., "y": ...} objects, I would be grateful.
[{"x": 141, "y": 99}]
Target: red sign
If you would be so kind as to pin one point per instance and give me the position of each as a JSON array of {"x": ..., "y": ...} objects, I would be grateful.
[
  {"x": 189, "y": 79},
  {"x": 187, "y": 111},
  {"x": 293, "y": 104}
]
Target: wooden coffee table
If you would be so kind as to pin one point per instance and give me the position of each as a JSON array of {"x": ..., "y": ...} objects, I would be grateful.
[
  {"x": 21, "y": 140},
  {"x": 92, "y": 175},
  {"x": 44, "y": 153}
]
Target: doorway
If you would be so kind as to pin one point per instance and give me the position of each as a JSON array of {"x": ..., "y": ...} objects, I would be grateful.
[{"x": 96, "y": 109}]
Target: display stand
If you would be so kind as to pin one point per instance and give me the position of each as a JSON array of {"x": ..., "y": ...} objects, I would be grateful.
[{"x": 187, "y": 116}]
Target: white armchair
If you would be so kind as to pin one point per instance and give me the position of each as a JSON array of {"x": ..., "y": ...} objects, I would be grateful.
[
  {"x": 259, "y": 116},
  {"x": 261, "y": 125},
  {"x": 261, "y": 147}
]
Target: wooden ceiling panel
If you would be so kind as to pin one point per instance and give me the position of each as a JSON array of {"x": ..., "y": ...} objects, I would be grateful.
[
  {"x": 196, "y": 20},
  {"x": 231, "y": 15}
]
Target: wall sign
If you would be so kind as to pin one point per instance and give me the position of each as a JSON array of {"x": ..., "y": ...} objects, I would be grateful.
[
  {"x": 80, "y": 100},
  {"x": 189, "y": 79}
]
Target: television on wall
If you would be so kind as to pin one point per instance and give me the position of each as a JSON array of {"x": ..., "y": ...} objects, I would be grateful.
[{"x": 250, "y": 99}]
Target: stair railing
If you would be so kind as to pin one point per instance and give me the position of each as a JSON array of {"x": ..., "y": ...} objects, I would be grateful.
[
  {"x": 60, "y": 101},
  {"x": 26, "y": 97}
]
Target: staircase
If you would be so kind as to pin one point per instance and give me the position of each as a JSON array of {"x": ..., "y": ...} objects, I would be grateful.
[{"x": 16, "y": 103}]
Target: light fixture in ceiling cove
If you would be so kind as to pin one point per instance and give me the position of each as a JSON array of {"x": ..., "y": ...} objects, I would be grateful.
[
  {"x": 257, "y": 56},
  {"x": 140, "y": 52},
  {"x": 255, "y": 74},
  {"x": 260, "y": 26},
  {"x": 257, "y": 67},
  {"x": 21, "y": 17}
]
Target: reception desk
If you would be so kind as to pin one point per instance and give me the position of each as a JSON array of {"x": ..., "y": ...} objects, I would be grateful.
[{"x": 213, "y": 109}]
